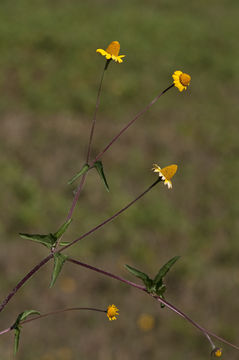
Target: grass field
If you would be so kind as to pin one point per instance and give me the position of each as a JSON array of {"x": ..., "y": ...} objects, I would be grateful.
[{"x": 49, "y": 75}]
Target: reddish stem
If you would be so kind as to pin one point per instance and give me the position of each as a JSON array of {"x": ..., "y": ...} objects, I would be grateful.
[
  {"x": 52, "y": 313},
  {"x": 46, "y": 259},
  {"x": 162, "y": 301},
  {"x": 77, "y": 195},
  {"x": 129, "y": 124}
]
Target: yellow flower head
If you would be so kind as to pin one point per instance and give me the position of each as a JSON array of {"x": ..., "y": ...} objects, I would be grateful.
[
  {"x": 166, "y": 173},
  {"x": 112, "y": 311},
  {"x": 112, "y": 52},
  {"x": 181, "y": 80},
  {"x": 217, "y": 352}
]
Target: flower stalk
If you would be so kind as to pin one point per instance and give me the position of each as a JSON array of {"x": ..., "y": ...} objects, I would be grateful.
[
  {"x": 56, "y": 312},
  {"x": 115, "y": 138},
  {"x": 49, "y": 257},
  {"x": 205, "y": 332}
]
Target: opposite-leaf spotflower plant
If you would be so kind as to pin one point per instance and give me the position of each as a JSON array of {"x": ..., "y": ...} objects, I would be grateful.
[
  {"x": 112, "y": 311},
  {"x": 112, "y": 52},
  {"x": 181, "y": 80},
  {"x": 166, "y": 173}
]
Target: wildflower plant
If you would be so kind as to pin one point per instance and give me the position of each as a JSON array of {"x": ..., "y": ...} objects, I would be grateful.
[{"x": 57, "y": 242}]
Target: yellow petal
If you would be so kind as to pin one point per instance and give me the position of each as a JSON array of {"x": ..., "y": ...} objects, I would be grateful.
[
  {"x": 101, "y": 51},
  {"x": 169, "y": 171},
  {"x": 156, "y": 168},
  {"x": 113, "y": 48}
]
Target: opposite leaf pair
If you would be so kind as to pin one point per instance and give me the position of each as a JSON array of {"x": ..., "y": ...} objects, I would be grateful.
[
  {"x": 51, "y": 241},
  {"x": 99, "y": 167},
  {"x": 154, "y": 286}
]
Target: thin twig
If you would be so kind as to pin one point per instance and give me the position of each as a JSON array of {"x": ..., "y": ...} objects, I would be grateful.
[
  {"x": 129, "y": 124},
  {"x": 162, "y": 301},
  {"x": 77, "y": 195},
  {"x": 24, "y": 280},
  {"x": 51, "y": 313},
  {"x": 80, "y": 187},
  {"x": 94, "y": 117},
  {"x": 46, "y": 259},
  {"x": 74, "y": 261},
  {"x": 111, "y": 217}
]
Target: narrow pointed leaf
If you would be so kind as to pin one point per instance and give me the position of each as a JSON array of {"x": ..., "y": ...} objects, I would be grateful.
[
  {"x": 27, "y": 313},
  {"x": 17, "y": 327},
  {"x": 149, "y": 284},
  {"x": 99, "y": 167},
  {"x": 144, "y": 277},
  {"x": 16, "y": 339},
  {"x": 59, "y": 260},
  {"x": 22, "y": 316},
  {"x": 137, "y": 273},
  {"x": 80, "y": 173},
  {"x": 164, "y": 269},
  {"x": 160, "y": 290},
  {"x": 63, "y": 243},
  {"x": 47, "y": 240},
  {"x": 62, "y": 229}
]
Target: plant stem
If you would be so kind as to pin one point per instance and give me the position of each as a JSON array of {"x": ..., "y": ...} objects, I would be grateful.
[
  {"x": 110, "y": 218},
  {"x": 77, "y": 194},
  {"x": 5, "y": 331},
  {"x": 46, "y": 259},
  {"x": 162, "y": 301},
  {"x": 52, "y": 313},
  {"x": 94, "y": 117},
  {"x": 106, "y": 273},
  {"x": 76, "y": 197},
  {"x": 24, "y": 280},
  {"x": 129, "y": 124}
]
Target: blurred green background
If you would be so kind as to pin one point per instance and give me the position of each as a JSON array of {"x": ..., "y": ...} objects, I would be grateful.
[{"x": 49, "y": 75}]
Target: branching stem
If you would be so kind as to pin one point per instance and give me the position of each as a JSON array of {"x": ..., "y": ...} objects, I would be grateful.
[
  {"x": 80, "y": 187},
  {"x": 77, "y": 194},
  {"x": 46, "y": 259},
  {"x": 162, "y": 301}
]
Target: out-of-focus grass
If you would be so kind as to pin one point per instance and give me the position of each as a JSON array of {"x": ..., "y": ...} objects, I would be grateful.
[{"x": 48, "y": 83}]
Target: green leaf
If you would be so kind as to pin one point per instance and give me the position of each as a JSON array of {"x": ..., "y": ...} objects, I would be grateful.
[
  {"x": 99, "y": 167},
  {"x": 16, "y": 339},
  {"x": 144, "y": 277},
  {"x": 47, "y": 240},
  {"x": 80, "y": 173},
  {"x": 160, "y": 290},
  {"x": 64, "y": 243},
  {"x": 22, "y": 316},
  {"x": 137, "y": 273},
  {"x": 17, "y": 327},
  {"x": 62, "y": 229},
  {"x": 164, "y": 269},
  {"x": 59, "y": 260},
  {"x": 25, "y": 314}
]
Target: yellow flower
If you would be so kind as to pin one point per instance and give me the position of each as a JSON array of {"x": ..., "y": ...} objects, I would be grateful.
[
  {"x": 181, "y": 80},
  {"x": 166, "y": 173},
  {"x": 217, "y": 352},
  {"x": 112, "y": 311},
  {"x": 112, "y": 52}
]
